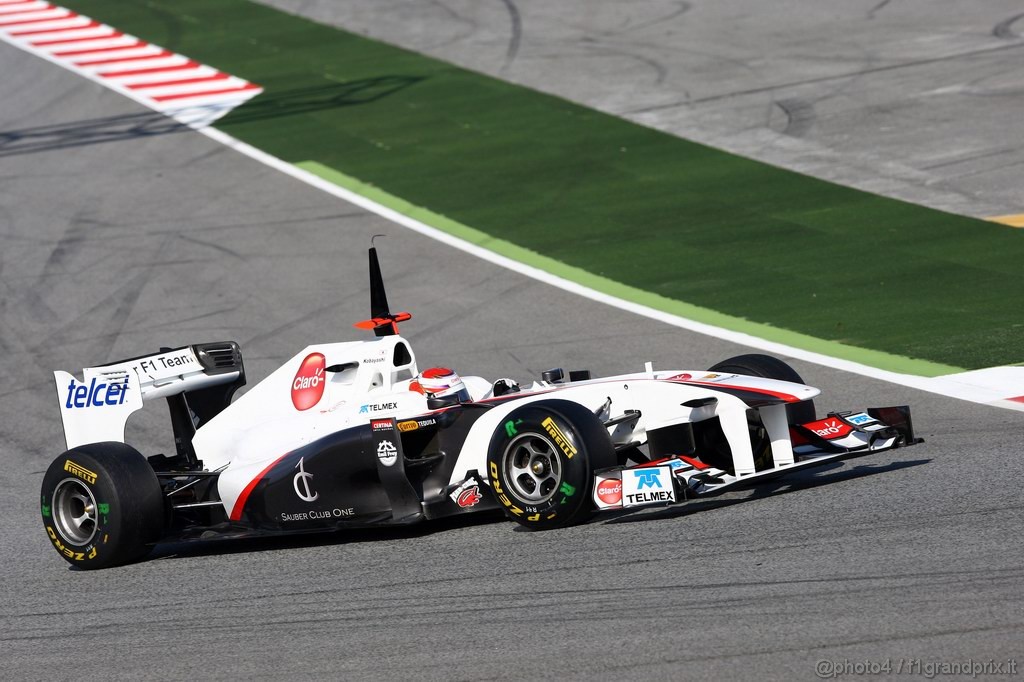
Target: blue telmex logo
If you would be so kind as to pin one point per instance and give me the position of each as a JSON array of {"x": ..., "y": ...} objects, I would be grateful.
[
  {"x": 377, "y": 407},
  {"x": 648, "y": 478}
]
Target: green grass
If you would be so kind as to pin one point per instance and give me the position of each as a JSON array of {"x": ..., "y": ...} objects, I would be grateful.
[{"x": 634, "y": 206}]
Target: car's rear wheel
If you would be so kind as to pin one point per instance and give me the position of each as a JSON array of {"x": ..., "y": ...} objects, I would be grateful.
[
  {"x": 541, "y": 462},
  {"x": 102, "y": 505}
]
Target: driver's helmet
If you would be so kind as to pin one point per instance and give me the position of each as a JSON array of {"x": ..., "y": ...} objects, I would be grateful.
[{"x": 441, "y": 386}]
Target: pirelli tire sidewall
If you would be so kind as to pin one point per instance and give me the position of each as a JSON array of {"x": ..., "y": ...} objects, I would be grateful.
[
  {"x": 127, "y": 505},
  {"x": 586, "y": 447}
]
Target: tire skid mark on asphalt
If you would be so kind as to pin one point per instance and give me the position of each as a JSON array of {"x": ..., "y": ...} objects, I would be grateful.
[
  {"x": 212, "y": 245},
  {"x": 57, "y": 264},
  {"x": 857, "y": 73},
  {"x": 109, "y": 316},
  {"x": 516, "y": 33},
  {"x": 877, "y": 8},
  {"x": 79, "y": 133},
  {"x": 1004, "y": 29},
  {"x": 799, "y": 116},
  {"x": 192, "y": 93},
  {"x": 604, "y": 50},
  {"x": 682, "y": 7},
  {"x": 26, "y": 315}
]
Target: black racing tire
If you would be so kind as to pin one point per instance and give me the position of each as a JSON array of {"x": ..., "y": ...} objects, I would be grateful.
[
  {"x": 102, "y": 505},
  {"x": 769, "y": 367},
  {"x": 541, "y": 463}
]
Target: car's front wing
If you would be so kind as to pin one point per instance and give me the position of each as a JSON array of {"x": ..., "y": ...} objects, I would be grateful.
[{"x": 679, "y": 477}]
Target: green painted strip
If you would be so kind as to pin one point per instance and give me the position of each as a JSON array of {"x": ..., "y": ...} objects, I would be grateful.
[
  {"x": 886, "y": 361},
  {"x": 629, "y": 204}
]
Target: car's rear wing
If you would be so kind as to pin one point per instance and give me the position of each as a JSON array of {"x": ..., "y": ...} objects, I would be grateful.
[{"x": 198, "y": 382}]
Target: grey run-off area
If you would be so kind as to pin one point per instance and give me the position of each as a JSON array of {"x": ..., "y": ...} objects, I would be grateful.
[
  {"x": 916, "y": 99},
  {"x": 119, "y": 234}
]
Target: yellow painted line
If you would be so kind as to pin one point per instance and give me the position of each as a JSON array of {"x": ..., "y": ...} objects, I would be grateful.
[{"x": 1011, "y": 220}]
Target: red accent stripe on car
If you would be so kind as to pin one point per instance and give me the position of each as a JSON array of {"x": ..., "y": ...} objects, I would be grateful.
[
  {"x": 695, "y": 463},
  {"x": 763, "y": 391},
  {"x": 749, "y": 389},
  {"x": 236, "y": 511},
  {"x": 1018, "y": 399}
]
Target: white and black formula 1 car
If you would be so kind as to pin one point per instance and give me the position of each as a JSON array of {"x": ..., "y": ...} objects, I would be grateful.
[{"x": 353, "y": 434}]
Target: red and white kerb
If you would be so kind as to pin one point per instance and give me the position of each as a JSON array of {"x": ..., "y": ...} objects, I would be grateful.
[{"x": 173, "y": 84}]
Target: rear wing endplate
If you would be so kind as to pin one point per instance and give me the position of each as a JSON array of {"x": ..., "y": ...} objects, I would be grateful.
[{"x": 97, "y": 408}]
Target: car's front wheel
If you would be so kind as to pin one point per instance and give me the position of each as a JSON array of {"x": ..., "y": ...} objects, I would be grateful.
[{"x": 541, "y": 463}]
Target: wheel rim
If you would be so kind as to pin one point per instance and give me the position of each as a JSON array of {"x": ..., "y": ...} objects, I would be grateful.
[
  {"x": 532, "y": 468},
  {"x": 74, "y": 511}
]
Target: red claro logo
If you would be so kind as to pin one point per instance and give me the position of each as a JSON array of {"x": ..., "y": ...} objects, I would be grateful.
[
  {"x": 830, "y": 429},
  {"x": 309, "y": 383},
  {"x": 609, "y": 490}
]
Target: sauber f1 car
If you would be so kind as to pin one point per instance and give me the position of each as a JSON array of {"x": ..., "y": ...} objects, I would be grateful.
[{"x": 353, "y": 434}]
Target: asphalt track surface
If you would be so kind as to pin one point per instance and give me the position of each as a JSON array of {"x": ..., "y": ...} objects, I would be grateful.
[{"x": 120, "y": 236}]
